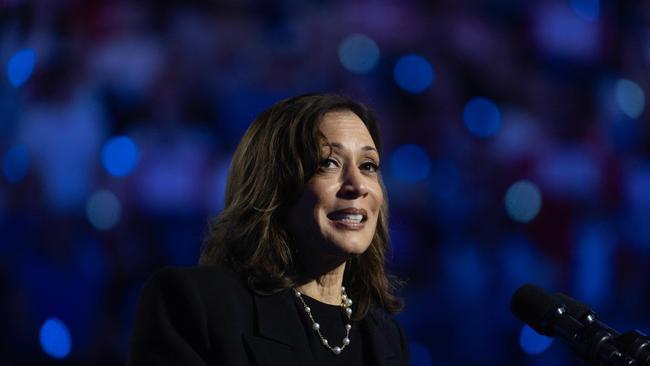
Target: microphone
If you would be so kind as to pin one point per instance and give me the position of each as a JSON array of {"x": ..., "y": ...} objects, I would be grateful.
[{"x": 559, "y": 315}]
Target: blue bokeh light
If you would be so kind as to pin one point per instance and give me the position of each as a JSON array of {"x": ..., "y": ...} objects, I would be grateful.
[
  {"x": 420, "y": 355},
  {"x": 103, "y": 209},
  {"x": 482, "y": 117},
  {"x": 15, "y": 163},
  {"x": 523, "y": 201},
  {"x": 55, "y": 338},
  {"x": 586, "y": 9},
  {"x": 410, "y": 163},
  {"x": 630, "y": 98},
  {"x": 570, "y": 172},
  {"x": 120, "y": 156},
  {"x": 21, "y": 66},
  {"x": 532, "y": 342},
  {"x": 413, "y": 73},
  {"x": 358, "y": 53},
  {"x": 564, "y": 35}
]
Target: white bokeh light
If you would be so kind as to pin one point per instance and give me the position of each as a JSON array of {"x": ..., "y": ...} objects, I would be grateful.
[
  {"x": 523, "y": 201},
  {"x": 103, "y": 209}
]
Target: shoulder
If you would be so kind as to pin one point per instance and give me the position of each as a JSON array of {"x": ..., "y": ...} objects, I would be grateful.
[
  {"x": 198, "y": 276},
  {"x": 182, "y": 310},
  {"x": 392, "y": 331},
  {"x": 204, "y": 285},
  {"x": 385, "y": 321}
]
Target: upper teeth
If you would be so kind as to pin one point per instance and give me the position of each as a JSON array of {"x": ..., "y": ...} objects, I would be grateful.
[{"x": 351, "y": 217}]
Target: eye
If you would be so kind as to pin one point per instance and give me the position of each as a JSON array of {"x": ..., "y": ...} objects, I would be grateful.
[
  {"x": 328, "y": 163},
  {"x": 371, "y": 167}
]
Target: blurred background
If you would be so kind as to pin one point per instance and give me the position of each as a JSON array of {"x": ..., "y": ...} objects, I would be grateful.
[{"x": 516, "y": 149}]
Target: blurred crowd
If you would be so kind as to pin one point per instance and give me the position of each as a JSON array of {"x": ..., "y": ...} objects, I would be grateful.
[{"x": 556, "y": 192}]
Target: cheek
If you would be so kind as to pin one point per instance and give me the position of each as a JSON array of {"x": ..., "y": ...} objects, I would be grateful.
[
  {"x": 379, "y": 196},
  {"x": 311, "y": 207},
  {"x": 321, "y": 195}
]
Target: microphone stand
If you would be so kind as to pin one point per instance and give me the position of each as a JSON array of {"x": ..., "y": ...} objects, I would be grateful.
[
  {"x": 592, "y": 342},
  {"x": 606, "y": 342},
  {"x": 597, "y": 343},
  {"x": 634, "y": 345}
]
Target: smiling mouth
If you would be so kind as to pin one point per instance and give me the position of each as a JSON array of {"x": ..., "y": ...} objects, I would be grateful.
[
  {"x": 351, "y": 219},
  {"x": 349, "y": 216}
]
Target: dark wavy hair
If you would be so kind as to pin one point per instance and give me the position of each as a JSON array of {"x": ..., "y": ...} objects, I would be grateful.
[{"x": 276, "y": 157}]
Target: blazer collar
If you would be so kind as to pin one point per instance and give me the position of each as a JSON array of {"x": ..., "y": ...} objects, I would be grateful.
[{"x": 278, "y": 320}]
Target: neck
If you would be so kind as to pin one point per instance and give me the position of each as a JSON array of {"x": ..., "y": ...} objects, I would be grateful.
[{"x": 327, "y": 287}]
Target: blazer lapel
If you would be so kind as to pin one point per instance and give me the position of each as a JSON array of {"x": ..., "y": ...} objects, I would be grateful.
[
  {"x": 281, "y": 339},
  {"x": 382, "y": 351}
]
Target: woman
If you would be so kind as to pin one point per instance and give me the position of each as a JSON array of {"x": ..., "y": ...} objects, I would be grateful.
[{"x": 292, "y": 271}]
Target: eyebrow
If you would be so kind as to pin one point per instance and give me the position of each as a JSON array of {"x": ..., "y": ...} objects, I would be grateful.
[{"x": 336, "y": 145}]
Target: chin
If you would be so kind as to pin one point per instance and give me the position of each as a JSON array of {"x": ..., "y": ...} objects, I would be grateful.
[{"x": 353, "y": 248}]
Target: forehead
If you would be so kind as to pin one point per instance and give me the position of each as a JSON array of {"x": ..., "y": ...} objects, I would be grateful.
[{"x": 345, "y": 127}]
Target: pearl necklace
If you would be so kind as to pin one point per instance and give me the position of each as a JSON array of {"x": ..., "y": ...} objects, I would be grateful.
[{"x": 346, "y": 303}]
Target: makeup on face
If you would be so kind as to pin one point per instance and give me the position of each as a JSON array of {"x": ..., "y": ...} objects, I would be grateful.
[{"x": 341, "y": 203}]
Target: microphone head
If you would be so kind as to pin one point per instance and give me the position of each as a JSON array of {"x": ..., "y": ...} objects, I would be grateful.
[{"x": 531, "y": 304}]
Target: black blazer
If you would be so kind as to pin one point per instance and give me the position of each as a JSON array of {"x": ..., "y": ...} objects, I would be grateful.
[{"x": 208, "y": 316}]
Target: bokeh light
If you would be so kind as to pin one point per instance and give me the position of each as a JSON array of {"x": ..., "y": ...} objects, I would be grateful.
[
  {"x": 120, "y": 156},
  {"x": 55, "y": 338},
  {"x": 570, "y": 172},
  {"x": 630, "y": 98},
  {"x": 358, "y": 53},
  {"x": 410, "y": 163},
  {"x": 21, "y": 66},
  {"x": 586, "y": 9},
  {"x": 561, "y": 34},
  {"x": 413, "y": 73},
  {"x": 482, "y": 117},
  {"x": 15, "y": 163},
  {"x": 420, "y": 355},
  {"x": 103, "y": 209},
  {"x": 523, "y": 201},
  {"x": 532, "y": 342}
]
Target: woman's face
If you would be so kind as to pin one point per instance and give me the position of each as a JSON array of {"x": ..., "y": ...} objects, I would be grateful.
[{"x": 338, "y": 210}]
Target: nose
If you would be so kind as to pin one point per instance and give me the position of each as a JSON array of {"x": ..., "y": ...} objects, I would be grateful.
[{"x": 353, "y": 184}]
